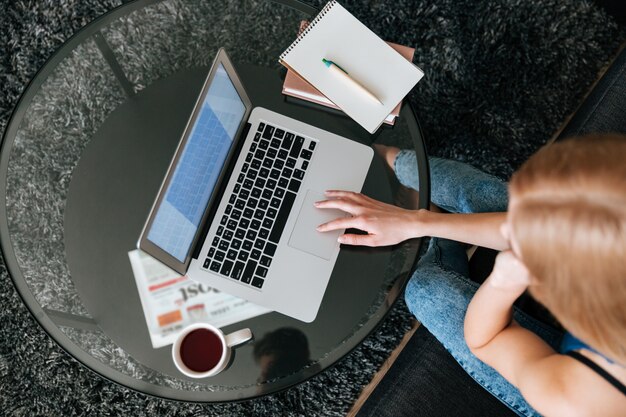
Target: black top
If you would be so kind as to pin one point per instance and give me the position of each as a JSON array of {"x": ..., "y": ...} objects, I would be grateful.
[{"x": 599, "y": 370}]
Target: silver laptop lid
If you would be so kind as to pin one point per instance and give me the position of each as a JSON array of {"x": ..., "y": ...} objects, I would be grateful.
[{"x": 198, "y": 168}]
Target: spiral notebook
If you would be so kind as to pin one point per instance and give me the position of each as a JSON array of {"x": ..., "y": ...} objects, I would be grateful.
[
  {"x": 336, "y": 35},
  {"x": 299, "y": 88}
]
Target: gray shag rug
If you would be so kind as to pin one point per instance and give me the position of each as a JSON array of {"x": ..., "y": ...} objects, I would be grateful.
[{"x": 501, "y": 76}]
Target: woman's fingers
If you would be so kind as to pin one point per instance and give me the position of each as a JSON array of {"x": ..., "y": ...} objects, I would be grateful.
[
  {"x": 340, "y": 204},
  {"x": 357, "y": 240},
  {"x": 342, "y": 223},
  {"x": 348, "y": 195}
]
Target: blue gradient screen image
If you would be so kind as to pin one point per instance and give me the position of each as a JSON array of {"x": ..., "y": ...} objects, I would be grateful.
[{"x": 178, "y": 217}]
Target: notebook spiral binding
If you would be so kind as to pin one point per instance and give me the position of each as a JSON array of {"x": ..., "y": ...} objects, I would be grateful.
[{"x": 320, "y": 15}]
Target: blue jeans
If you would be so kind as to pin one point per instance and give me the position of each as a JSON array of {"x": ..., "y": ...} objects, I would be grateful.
[{"x": 440, "y": 290}]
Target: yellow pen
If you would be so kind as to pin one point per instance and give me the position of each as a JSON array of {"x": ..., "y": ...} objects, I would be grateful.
[{"x": 344, "y": 74}]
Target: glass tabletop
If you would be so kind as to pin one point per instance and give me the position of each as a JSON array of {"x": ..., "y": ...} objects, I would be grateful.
[{"x": 83, "y": 157}]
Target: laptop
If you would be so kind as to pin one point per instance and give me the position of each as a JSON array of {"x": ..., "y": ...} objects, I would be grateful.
[{"x": 235, "y": 210}]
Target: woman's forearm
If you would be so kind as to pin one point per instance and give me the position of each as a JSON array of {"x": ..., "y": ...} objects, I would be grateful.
[
  {"x": 480, "y": 229},
  {"x": 491, "y": 309},
  {"x": 489, "y": 312}
]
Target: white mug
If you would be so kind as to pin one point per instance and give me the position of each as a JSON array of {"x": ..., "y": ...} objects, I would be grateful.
[{"x": 219, "y": 360}]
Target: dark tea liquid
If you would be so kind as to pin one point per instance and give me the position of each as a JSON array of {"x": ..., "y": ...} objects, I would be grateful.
[{"x": 201, "y": 350}]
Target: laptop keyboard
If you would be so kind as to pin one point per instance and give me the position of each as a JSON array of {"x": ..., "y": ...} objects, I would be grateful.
[{"x": 257, "y": 211}]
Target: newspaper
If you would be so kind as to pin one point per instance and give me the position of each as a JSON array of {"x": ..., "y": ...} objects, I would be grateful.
[{"x": 171, "y": 302}]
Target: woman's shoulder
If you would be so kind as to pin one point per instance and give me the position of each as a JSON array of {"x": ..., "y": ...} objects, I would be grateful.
[{"x": 578, "y": 389}]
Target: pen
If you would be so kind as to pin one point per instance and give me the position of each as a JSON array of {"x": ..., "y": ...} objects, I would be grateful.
[{"x": 343, "y": 73}]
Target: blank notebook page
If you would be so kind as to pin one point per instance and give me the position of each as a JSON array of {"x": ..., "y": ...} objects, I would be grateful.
[{"x": 336, "y": 35}]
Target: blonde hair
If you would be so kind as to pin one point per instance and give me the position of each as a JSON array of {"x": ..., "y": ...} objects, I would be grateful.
[{"x": 568, "y": 215}]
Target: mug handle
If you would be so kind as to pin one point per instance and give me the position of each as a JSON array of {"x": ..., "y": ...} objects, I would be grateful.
[{"x": 238, "y": 337}]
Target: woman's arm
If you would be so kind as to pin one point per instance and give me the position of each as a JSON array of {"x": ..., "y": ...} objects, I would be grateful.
[
  {"x": 387, "y": 224},
  {"x": 519, "y": 355}
]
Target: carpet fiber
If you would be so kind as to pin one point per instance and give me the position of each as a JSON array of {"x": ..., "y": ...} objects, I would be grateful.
[{"x": 501, "y": 75}]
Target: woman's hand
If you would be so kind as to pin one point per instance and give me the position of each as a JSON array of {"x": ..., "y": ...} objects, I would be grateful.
[
  {"x": 509, "y": 273},
  {"x": 385, "y": 224}
]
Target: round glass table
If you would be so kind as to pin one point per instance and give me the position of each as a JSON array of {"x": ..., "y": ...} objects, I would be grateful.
[{"x": 83, "y": 157}]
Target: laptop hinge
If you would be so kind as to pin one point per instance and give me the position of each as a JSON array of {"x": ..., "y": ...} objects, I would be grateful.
[{"x": 220, "y": 192}]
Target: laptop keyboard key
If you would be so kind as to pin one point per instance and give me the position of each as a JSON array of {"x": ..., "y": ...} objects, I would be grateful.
[
  {"x": 215, "y": 266},
  {"x": 294, "y": 185},
  {"x": 247, "y": 245},
  {"x": 257, "y": 282},
  {"x": 287, "y": 172},
  {"x": 288, "y": 141},
  {"x": 299, "y": 174},
  {"x": 270, "y": 249},
  {"x": 268, "y": 132},
  {"x": 248, "y": 272},
  {"x": 283, "y": 215},
  {"x": 266, "y": 261},
  {"x": 207, "y": 263},
  {"x": 260, "y": 271},
  {"x": 219, "y": 255},
  {"x": 297, "y": 146},
  {"x": 232, "y": 255},
  {"x": 237, "y": 270},
  {"x": 226, "y": 268},
  {"x": 255, "y": 254},
  {"x": 306, "y": 154},
  {"x": 243, "y": 256}
]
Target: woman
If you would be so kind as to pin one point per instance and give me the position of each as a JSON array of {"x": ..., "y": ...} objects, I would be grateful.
[{"x": 563, "y": 239}]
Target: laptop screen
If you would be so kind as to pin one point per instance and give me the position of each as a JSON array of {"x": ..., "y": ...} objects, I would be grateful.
[{"x": 178, "y": 217}]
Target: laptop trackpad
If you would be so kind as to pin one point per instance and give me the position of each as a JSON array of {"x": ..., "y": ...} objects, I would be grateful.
[{"x": 304, "y": 236}]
